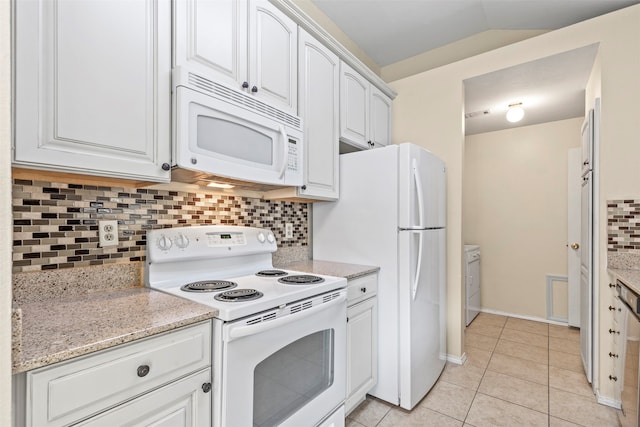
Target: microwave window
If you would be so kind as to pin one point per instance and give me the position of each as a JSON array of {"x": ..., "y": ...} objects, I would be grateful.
[{"x": 234, "y": 140}]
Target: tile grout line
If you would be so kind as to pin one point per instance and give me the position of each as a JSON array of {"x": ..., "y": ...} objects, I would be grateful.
[{"x": 483, "y": 374}]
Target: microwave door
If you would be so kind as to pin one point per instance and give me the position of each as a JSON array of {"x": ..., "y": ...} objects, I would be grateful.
[{"x": 222, "y": 139}]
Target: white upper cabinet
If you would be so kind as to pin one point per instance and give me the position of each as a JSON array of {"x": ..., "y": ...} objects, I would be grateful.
[
  {"x": 365, "y": 112},
  {"x": 92, "y": 87},
  {"x": 249, "y": 46},
  {"x": 210, "y": 38},
  {"x": 379, "y": 118},
  {"x": 318, "y": 103},
  {"x": 319, "y": 75},
  {"x": 354, "y": 106}
]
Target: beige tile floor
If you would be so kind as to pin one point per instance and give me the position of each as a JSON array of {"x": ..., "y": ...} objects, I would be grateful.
[{"x": 518, "y": 373}]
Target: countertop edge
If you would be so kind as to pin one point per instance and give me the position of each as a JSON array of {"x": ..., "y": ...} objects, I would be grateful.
[
  {"x": 104, "y": 345},
  {"x": 330, "y": 268},
  {"x": 30, "y": 353},
  {"x": 631, "y": 278}
]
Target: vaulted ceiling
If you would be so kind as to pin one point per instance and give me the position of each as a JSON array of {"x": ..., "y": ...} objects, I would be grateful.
[{"x": 550, "y": 89}]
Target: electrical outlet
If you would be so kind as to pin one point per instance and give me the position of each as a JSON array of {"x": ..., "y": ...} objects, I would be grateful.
[
  {"x": 108, "y": 233},
  {"x": 288, "y": 230}
]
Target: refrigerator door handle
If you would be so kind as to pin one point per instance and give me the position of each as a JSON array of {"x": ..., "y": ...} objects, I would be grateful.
[
  {"x": 416, "y": 281},
  {"x": 418, "y": 187}
]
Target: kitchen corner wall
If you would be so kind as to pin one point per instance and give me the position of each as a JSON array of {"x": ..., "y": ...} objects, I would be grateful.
[{"x": 56, "y": 224}]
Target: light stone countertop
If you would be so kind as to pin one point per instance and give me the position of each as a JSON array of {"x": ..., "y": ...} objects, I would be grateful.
[
  {"x": 61, "y": 314},
  {"x": 60, "y": 329},
  {"x": 329, "y": 268},
  {"x": 631, "y": 278}
]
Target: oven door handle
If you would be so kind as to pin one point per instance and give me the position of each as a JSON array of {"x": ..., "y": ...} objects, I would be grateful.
[{"x": 243, "y": 331}]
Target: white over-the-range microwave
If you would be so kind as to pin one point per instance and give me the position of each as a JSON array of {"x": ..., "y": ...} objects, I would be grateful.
[{"x": 224, "y": 135}]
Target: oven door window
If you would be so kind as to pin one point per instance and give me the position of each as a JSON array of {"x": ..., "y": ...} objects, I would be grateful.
[
  {"x": 291, "y": 377},
  {"x": 233, "y": 139}
]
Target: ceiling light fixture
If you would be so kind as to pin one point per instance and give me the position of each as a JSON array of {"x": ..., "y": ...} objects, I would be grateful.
[
  {"x": 515, "y": 112},
  {"x": 220, "y": 185}
]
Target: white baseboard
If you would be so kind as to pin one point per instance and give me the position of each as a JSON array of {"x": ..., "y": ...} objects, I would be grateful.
[
  {"x": 520, "y": 316},
  {"x": 458, "y": 360},
  {"x": 608, "y": 401}
]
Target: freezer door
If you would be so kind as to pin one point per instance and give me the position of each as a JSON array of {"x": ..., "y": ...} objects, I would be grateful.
[
  {"x": 422, "y": 191},
  {"x": 422, "y": 312}
]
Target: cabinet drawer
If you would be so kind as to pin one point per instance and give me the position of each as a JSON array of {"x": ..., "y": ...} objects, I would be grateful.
[
  {"x": 182, "y": 403},
  {"x": 361, "y": 288},
  {"x": 70, "y": 391}
]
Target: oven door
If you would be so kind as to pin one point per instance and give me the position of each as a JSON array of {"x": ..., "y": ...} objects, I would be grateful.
[
  {"x": 220, "y": 138},
  {"x": 289, "y": 371}
]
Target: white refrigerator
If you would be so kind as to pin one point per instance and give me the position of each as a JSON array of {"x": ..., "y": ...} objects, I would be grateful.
[{"x": 391, "y": 214}]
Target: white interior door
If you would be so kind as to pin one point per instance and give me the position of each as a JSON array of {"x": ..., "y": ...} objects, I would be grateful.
[
  {"x": 574, "y": 184},
  {"x": 586, "y": 288}
]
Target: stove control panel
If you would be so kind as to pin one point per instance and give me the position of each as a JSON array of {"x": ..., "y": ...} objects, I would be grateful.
[
  {"x": 208, "y": 242},
  {"x": 226, "y": 239}
]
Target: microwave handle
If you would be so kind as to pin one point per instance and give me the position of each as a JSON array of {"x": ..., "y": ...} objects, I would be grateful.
[{"x": 284, "y": 151}]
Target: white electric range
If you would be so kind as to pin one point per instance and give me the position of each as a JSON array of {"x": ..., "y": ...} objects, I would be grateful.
[{"x": 279, "y": 355}]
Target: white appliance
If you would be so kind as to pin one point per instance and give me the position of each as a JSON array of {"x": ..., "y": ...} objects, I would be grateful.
[
  {"x": 472, "y": 281},
  {"x": 586, "y": 243},
  {"x": 391, "y": 213},
  {"x": 223, "y": 134},
  {"x": 279, "y": 340}
]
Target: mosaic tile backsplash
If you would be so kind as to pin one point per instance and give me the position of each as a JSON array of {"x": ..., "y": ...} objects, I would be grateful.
[
  {"x": 623, "y": 229},
  {"x": 56, "y": 224}
]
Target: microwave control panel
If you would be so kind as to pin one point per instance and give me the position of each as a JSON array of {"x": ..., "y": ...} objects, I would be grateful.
[{"x": 292, "y": 157}]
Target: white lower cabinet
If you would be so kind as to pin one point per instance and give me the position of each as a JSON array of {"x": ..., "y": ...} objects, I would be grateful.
[
  {"x": 179, "y": 404},
  {"x": 362, "y": 339},
  {"x": 160, "y": 380}
]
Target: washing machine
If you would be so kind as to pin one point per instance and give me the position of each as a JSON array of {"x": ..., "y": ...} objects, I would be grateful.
[{"x": 472, "y": 281}]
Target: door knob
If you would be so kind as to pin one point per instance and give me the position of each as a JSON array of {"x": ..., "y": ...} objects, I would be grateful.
[{"x": 575, "y": 246}]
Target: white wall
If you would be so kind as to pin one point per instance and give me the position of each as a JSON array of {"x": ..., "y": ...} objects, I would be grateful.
[
  {"x": 428, "y": 111},
  {"x": 515, "y": 208},
  {"x": 6, "y": 230}
]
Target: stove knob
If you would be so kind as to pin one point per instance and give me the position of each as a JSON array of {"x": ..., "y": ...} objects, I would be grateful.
[
  {"x": 181, "y": 241},
  {"x": 270, "y": 237},
  {"x": 261, "y": 237},
  {"x": 164, "y": 243}
]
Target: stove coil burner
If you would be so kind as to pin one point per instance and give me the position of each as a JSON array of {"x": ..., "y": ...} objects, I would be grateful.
[
  {"x": 271, "y": 273},
  {"x": 209, "y": 286},
  {"x": 238, "y": 295},
  {"x": 301, "y": 279}
]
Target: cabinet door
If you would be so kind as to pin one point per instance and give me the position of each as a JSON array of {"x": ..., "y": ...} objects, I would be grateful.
[
  {"x": 93, "y": 87},
  {"x": 380, "y": 118},
  {"x": 354, "y": 107},
  {"x": 64, "y": 393},
  {"x": 319, "y": 94},
  {"x": 184, "y": 403},
  {"x": 362, "y": 351},
  {"x": 210, "y": 38},
  {"x": 273, "y": 53}
]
